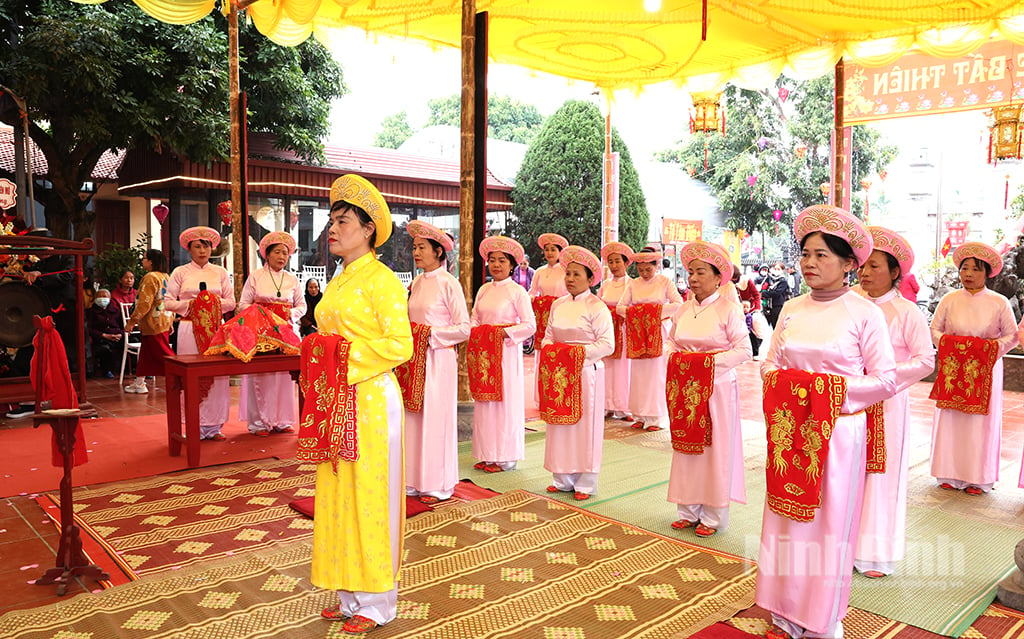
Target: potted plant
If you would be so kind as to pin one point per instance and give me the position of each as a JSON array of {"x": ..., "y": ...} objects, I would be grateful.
[{"x": 116, "y": 259}]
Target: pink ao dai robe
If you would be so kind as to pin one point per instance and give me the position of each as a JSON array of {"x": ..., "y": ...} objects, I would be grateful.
[
  {"x": 572, "y": 452},
  {"x": 965, "y": 448},
  {"x": 647, "y": 376},
  {"x": 547, "y": 280},
  {"x": 805, "y": 568},
  {"x": 883, "y": 521},
  {"x": 499, "y": 427},
  {"x": 270, "y": 401},
  {"x": 182, "y": 288},
  {"x": 432, "y": 435},
  {"x": 616, "y": 371},
  {"x": 702, "y": 485}
]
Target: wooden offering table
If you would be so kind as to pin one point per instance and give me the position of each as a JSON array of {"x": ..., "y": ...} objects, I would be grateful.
[{"x": 184, "y": 372}]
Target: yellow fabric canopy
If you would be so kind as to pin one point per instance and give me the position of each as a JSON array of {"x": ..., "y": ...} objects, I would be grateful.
[{"x": 616, "y": 44}]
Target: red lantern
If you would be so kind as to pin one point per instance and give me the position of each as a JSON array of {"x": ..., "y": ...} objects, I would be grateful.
[
  {"x": 160, "y": 212},
  {"x": 801, "y": 150},
  {"x": 777, "y": 214},
  {"x": 883, "y": 175},
  {"x": 783, "y": 93},
  {"x": 865, "y": 184},
  {"x": 224, "y": 211},
  {"x": 826, "y": 188}
]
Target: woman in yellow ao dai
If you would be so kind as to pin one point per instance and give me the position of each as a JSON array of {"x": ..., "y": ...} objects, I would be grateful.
[{"x": 360, "y": 505}]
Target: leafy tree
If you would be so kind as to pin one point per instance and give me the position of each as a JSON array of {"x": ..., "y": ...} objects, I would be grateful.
[
  {"x": 785, "y": 150},
  {"x": 558, "y": 188},
  {"x": 111, "y": 77},
  {"x": 394, "y": 130},
  {"x": 507, "y": 119}
]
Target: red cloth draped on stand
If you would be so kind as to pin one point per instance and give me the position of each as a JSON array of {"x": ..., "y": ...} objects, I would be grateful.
[
  {"x": 561, "y": 383},
  {"x": 800, "y": 410},
  {"x": 206, "y": 318},
  {"x": 541, "y": 311},
  {"x": 327, "y": 430},
  {"x": 412, "y": 375},
  {"x": 57, "y": 385},
  {"x": 963, "y": 379},
  {"x": 484, "y": 362},
  {"x": 688, "y": 389},
  {"x": 643, "y": 331}
]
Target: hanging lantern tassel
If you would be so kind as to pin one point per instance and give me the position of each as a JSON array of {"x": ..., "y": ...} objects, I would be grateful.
[
  {"x": 705, "y": 154},
  {"x": 1006, "y": 194},
  {"x": 704, "y": 21}
]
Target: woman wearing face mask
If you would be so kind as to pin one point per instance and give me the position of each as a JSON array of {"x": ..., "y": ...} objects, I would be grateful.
[
  {"x": 965, "y": 433},
  {"x": 774, "y": 293},
  {"x": 882, "y": 535},
  {"x": 353, "y": 431},
  {"x": 617, "y": 256},
  {"x": 269, "y": 402},
  {"x": 548, "y": 285},
  {"x": 830, "y": 359},
  {"x": 183, "y": 287},
  {"x": 709, "y": 339},
  {"x": 430, "y": 379},
  {"x": 579, "y": 321},
  {"x": 501, "y": 320},
  {"x": 654, "y": 300}
]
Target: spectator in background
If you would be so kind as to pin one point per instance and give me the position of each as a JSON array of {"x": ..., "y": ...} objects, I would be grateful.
[
  {"x": 909, "y": 287},
  {"x": 762, "y": 275},
  {"x": 105, "y": 333},
  {"x": 774, "y": 293},
  {"x": 794, "y": 280},
  {"x": 307, "y": 324},
  {"x": 124, "y": 292},
  {"x": 748, "y": 291},
  {"x": 523, "y": 275}
]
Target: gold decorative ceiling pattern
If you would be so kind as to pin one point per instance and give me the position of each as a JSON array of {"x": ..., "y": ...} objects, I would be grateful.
[{"x": 616, "y": 44}]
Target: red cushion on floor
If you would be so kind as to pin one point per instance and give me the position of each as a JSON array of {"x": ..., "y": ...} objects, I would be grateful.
[
  {"x": 722, "y": 630},
  {"x": 306, "y": 506}
]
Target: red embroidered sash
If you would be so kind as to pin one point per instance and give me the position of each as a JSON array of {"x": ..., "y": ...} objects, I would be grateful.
[
  {"x": 412, "y": 375},
  {"x": 876, "y": 438},
  {"x": 643, "y": 331},
  {"x": 963, "y": 380},
  {"x": 206, "y": 318},
  {"x": 541, "y": 311},
  {"x": 561, "y": 383},
  {"x": 800, "y": 410},
  {"x": 618, "y": 325},
  {"x": 281, "y": 309},
  {"x": 484, "y": 362},
  {"x": 688, "y": 389},
  {"x": 327, "y": 430}
]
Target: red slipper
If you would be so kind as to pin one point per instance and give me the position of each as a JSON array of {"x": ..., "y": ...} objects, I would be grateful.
[
  {"x": 683, "y": 524},
  {"x": 333, "y": 613},
  {"x": 973, "y": 490},
  {"x": 286, "y": 429},
  {"x": 493, "y": 468},
  {"x": 651, "y": 429},
  {"x": 552, "y": 489},
  {"x": 358, "y": 625},
  {"x": 873, "y": 574},
  {"x": 581, "y": 496},
  {"x": 947, "y": 486},
  {"x": 261, "y": 433},
  {"x": 429, "y": 500},
  {"x": 479, "y": 465},
  {"x": 704, "y": 531},
  {"x": 776, "y": 632},
  {"x": 637, "y": 425},
  {"x": 219, "y": 437}
]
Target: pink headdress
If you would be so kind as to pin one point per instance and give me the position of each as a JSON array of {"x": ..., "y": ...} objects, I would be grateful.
[
  {"x": 617, "y": 247},
  {"x": 552, "y": 238},
  {"x": 833, "y": 220},
  {"x": 981, "y": 251},
  {"x": 889, "y": 241},
  {"x": 502, "y": 244},
  {"x": 419, "y": 228},
  {"x": 710, "y": 253},
  {"x": 276, "y": 237},
  {"x": 198, "y": 233},
  {"x": 582, "y": 256}
]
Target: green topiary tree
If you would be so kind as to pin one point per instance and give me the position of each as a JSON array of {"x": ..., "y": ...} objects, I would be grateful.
[{"x": 558, "y": 187}]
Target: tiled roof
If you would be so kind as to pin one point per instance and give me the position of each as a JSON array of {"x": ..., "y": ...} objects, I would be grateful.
[{"x": 106, "y": 169}]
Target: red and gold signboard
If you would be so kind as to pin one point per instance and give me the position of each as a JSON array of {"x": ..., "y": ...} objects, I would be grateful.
[
  {"x": 919, "y": 84},
  {"x": 680, "y": 231}
]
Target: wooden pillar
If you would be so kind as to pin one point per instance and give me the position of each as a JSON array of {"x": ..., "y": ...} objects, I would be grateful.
[
  {"x": 839, "y": 148},
  {"x": 467, "y": 178},
  {"x": 239, "y": 243}
]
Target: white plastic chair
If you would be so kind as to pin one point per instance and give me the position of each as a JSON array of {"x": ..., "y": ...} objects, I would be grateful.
[
  {"x": 129, "y": 346},
  {"x": 404, "y": 277},
  {"x": 314, "y": 272}
]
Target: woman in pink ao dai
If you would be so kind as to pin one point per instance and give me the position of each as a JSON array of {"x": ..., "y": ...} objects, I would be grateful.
[
  {"x": 617, "y": 256},
  {"x": 572, "y": 452},
  {"x": 431, "y": 435},
  {"x": 702, "y": 485}
]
